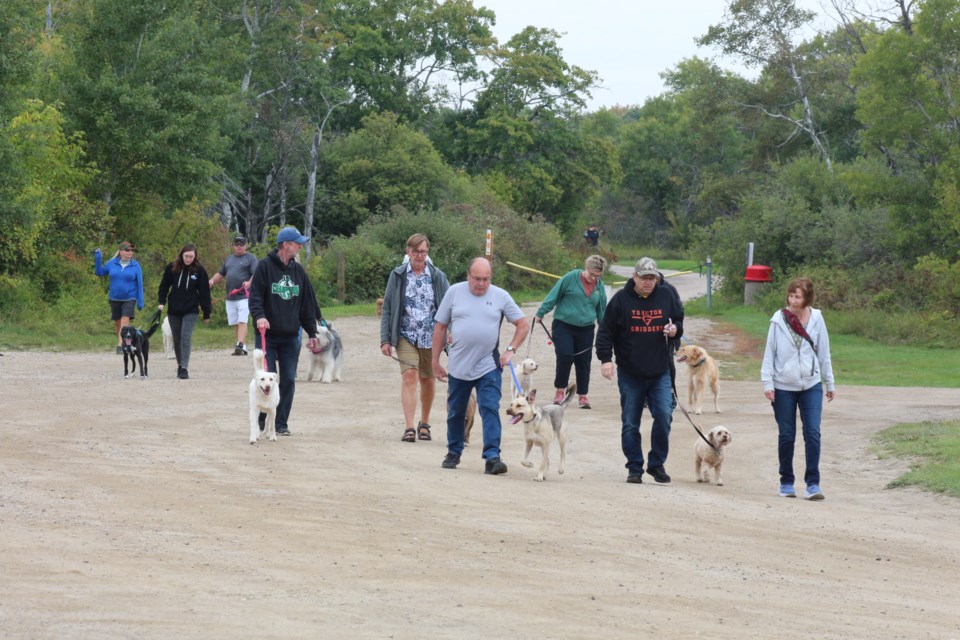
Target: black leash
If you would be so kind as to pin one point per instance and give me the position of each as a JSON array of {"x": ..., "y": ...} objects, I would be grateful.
[
  {"x": 676, "y": 398},
  {"x": 574, "y": 355}
]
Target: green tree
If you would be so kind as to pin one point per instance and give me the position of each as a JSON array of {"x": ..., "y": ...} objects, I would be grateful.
[
  {"x": 142, "y": 81},
  {"x": 382, "y": 165}
]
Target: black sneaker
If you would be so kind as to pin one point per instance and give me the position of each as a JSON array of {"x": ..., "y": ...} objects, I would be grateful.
[
  {"x": 659, "y": 474},
  {"x": 262, "y": 421},
  {"x": 495, "y": 466},
  {"x": 635, "y": 478},
  {"x": 283, "y": 431},
  {"x": 450, "y": 461},
  {"x": 119, "y": 350},
  {"x": 240, "y": 349},
  {"x": 182, "y": 374}
]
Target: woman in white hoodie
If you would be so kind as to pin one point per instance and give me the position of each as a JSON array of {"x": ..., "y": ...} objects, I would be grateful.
[{"x": 796, "y": 369}]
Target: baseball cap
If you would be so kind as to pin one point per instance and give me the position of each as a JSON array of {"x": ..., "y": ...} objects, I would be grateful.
[
  {"x": 646, "y": 267},
  {"x": 291, "y": 234},
  {"x": 239, "y": 240}
]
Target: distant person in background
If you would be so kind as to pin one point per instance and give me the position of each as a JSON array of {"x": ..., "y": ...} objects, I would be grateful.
[
  {"x": 578, "y": 301},
  {"x": 592, "y": 235},
  {"x": 185, "y": 291},
  {"x": 414, "y": 291},
  {"x": 238, "y": 270},
  {"x": 126, "y": 285},
  {"x": 796, "y": 368}
]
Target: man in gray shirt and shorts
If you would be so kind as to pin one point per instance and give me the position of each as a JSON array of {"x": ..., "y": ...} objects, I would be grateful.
[{"x": 238, "y": 270}]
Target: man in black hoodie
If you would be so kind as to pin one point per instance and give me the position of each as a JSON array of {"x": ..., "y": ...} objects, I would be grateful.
[
  {"x": 281, "y": 303},
  {"x": 637, "y": 326}
]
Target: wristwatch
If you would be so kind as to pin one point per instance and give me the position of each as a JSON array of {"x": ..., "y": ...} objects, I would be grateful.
[{"x": 510, "y": 348}]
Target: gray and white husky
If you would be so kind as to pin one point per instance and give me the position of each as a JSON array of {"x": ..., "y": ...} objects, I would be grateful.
[
  {"x": 540, "y": 425},
  {"x": 326, "y": 363}
]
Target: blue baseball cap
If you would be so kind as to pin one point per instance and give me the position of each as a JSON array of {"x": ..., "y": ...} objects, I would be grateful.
[{"x": 291, "y": 234}]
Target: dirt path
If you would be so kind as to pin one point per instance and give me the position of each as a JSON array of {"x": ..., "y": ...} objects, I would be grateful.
[{"x": 136, "y": 509}]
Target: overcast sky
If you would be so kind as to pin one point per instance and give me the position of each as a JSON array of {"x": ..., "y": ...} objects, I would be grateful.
[{"x": 628, "y": 42}]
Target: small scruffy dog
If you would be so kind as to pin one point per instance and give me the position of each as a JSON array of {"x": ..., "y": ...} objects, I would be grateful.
[{"x": 711, "y": 458}]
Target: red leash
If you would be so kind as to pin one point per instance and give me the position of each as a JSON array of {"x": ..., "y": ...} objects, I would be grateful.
[{"x": 263, "y": 345}]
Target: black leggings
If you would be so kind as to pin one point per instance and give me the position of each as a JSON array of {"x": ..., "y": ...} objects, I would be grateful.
[{"x": 570, "y": 339}]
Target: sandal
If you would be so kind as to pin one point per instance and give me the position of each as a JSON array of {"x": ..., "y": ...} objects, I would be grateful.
[
  {"x": 409, "y": 435},
  {"x": 424, "y": 431}
]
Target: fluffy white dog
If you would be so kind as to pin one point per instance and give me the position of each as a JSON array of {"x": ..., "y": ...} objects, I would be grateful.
[
  {"x": 168, "y": 350},
  {"x": 527, "y": 367},
  {"x": 264, "y": 398}
]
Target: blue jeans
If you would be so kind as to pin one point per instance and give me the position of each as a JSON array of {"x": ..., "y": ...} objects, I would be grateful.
[
  {"x": 785, "y": 405},
  {"x": 286, "y": 350},
  {"x": 182, "y": 329},
  {"x": 488, "y": 388},
  {"x": 569, "y": 339},
  {"x": 658, "y": 396}
]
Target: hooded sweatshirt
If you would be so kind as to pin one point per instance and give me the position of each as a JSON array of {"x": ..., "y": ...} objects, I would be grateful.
[
  {"x": 790, "y": 363},
  {"x": 185, "y": 292},
  {"x": 632, "y": 329},
  {"x": 282, "y": 294}
]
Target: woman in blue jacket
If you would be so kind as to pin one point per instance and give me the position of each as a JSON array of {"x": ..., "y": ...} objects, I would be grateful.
[
  {"x": 126, "y": 285},
  {"x": 795, "y": 371}
]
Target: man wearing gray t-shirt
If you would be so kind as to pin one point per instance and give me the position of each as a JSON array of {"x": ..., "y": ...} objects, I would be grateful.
[
  {"x": 472, "y": 311},
  {"x": 238, "y": 271}
]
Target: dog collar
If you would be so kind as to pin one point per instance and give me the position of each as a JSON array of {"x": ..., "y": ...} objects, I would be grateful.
[{"x": 699, "y": 363}]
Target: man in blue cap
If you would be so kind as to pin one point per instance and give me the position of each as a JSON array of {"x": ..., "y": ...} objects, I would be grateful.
[{"x": 282, "y": 302}]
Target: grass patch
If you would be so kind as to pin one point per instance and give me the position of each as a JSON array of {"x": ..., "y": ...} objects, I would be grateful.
[
  {"x": 856, "y": 360},
  {"x": 934, "y": 451}
]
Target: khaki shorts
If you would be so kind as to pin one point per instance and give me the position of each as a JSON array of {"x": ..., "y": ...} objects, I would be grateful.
[{"x": 409, "y": 353}]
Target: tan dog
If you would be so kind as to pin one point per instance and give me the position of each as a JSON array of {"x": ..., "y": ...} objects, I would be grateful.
[
  {"x": 711, "y": 458},
  {"x": 470, "y": 416},
  {"x": 703, "y": 373},
  {"x": 264, "y": 398},
  {"x": 540, "y": 425}
]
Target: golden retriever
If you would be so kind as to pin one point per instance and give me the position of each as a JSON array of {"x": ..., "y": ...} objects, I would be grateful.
[
  {"x": 708, "y": 457},
  {"x": 703, "y": 373}
]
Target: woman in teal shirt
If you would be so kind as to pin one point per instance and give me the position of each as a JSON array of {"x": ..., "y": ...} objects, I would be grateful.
[{"x": 578, "y": 301}]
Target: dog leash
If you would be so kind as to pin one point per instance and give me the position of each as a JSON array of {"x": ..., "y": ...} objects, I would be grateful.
[
  {"x": 676, "y": 398},
  {"x": 263, "y": 345},
  {"x": 574, "y": 355},
  {"x": 516, "y": 381}
]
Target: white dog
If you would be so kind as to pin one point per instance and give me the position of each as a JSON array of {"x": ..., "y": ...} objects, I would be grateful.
[
  {"x": 540, "y": 425},
  {"x": 527, "y": 367},
  {"x": 708, "y": 457},
  {"x": 264, "y": 398},
  {"x": 168, "y": 350},
  {"x": 326, "y": 363}
]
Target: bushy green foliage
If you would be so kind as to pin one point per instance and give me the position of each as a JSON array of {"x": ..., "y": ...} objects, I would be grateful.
[{"x": 457, "y": 235}]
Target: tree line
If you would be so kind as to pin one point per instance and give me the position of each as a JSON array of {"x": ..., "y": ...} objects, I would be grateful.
[{"x": 145, "y": 121}]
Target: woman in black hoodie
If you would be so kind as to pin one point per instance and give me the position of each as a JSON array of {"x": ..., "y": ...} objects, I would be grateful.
[{"x": 184, "y": 289}]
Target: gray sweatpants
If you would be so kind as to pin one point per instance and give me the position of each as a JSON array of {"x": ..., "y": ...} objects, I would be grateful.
[{"x": 182, "y": 328}]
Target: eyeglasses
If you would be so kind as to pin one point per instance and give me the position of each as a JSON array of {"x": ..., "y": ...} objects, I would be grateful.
[
  {"x": 126, "y": 249},
  {"x": 420, "y": 252}
]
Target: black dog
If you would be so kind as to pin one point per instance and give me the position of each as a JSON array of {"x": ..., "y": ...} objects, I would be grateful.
[{"x": 136, "y": 347}]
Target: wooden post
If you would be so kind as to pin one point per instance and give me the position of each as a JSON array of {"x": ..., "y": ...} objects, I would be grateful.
[{"x": 341, "y": 277}]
